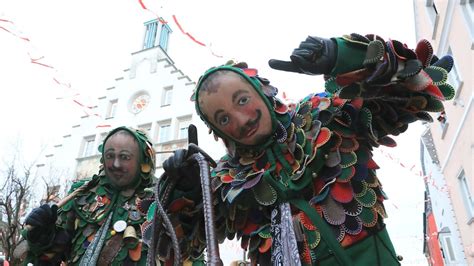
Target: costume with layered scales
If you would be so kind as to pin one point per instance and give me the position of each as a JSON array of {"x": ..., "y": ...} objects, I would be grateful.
[
  {"x": 309, "y": 194},
  {"x": 101, "y": 224}
]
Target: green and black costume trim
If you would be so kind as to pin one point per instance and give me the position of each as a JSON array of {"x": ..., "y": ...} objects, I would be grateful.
[
  {"x": 101, "y": 224},
  {"x": 319, "y": 157}
]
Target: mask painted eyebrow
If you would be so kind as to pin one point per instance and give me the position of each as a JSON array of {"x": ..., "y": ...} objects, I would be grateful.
[
  {"x": 237, "y": 93},
  {"x": 127, "y": 152}
]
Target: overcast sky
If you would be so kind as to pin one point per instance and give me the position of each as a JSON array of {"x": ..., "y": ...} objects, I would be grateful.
[{"x": 88, "y": 44}]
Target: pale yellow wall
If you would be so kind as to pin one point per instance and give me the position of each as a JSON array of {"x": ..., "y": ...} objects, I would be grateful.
[{"x": 458, "y": 137}]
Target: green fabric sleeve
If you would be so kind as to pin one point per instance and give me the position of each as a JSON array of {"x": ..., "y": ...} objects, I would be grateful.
[{"x": 350, "y": 57}]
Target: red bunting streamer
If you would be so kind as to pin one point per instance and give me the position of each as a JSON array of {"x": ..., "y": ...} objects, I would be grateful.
[
  {"x": 186, "y": 33},
  {"x": 36, "y": 60},
  {"x": 142, "y": 4},
  {"x": 414, "y": 169},
  {"x": 12, "y": 33},
  {"x": 68, "y": 85},
  {"x": 145, "y": 8},
  {"x": 191, "y": 37}
]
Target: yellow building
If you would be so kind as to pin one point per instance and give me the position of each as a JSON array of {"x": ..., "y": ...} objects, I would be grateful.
[{"x": 448, "y": 142}]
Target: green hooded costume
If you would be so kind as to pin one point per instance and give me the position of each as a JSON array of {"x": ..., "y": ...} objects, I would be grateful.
[
  {"x": 101, "y": 224},
  {"x": 309, "y": 194}
]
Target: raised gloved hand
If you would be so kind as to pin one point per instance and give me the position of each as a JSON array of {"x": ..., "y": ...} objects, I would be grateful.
[
  {"x": 314, "y": 56},
  {"x": 41, "y": 223},
  {"x": 179, "y": 165}
]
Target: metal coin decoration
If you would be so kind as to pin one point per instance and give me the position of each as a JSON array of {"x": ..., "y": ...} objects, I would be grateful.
[
  {"x": 134, "y": 215},
  {"x": 119, "y": 226}
]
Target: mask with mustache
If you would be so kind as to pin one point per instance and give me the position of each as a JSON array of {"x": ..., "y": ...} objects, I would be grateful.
[{"x": 261, "y": 87}]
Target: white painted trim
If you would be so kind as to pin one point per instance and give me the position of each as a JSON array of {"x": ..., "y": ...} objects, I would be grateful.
[
  {"x": 468, "y": 17},
  {"x": 446, "y": 28},
  {"x": 466, "y": 195},
  {"x": 456, "y": 136}
]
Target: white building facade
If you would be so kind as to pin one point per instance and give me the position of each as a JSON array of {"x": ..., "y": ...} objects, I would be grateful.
[
  {"x": 448, "y": 142},
  {"x": 153, "y": 94},
  {"x": 438, "y": 197}
]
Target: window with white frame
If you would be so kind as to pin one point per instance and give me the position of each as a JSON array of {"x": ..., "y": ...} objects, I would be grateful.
[
  {"x": 164, "y": 36},
  {"x": 447, "y": 246},
  {"x": 151, "y": 28},
  {"x": 454, "y": 76},
  {"x": 145, "y": 128},
  {"x": 112, "y": 108},
  {"x": 183, "y": 125},
  {"x": 88, "y": 146},
  {"x": 444, "y": 236},
  {"x": 468, "y": 10},
  {"x": 161, "y": 157},
  {"x": 433, "y": 14},
  {"x": 164, "y": 131},
  {"x": 164, "y": 151},
  {"x": 467, "y": 198},
  {"x": 167, "y": 96}
]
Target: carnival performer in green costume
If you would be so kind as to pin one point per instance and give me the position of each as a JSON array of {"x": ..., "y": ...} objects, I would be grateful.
[
  {"x": 298, "y": 185},
  {"x": 102, "y": 222}
]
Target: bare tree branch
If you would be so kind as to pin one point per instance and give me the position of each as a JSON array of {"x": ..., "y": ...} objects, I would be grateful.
[{"x": 15, "y": 197}]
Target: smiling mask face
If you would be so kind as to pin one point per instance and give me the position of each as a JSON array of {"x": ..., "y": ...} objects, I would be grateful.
[
  {"x": 128, "y": 158},
  {"x": 232, "y": 105},
  {"x": 121, "y": 159}
]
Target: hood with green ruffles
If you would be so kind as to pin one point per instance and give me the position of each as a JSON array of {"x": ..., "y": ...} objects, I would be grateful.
[{"x": 267, "y": 94}]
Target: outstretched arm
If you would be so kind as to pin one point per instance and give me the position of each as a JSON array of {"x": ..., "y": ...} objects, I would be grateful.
[
  {"x": 390, "y": 84},
  {"x": 314, "y": 56},
  {"x": 374, "y": 89}
]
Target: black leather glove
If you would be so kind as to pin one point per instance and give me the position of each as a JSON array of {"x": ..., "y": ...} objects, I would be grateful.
[
  {"x": 314, "y": 56},
  {"x": 179, "y": 165},
  {"x": 176, "y": 163},
  {"x": 42, "y": 221}
]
